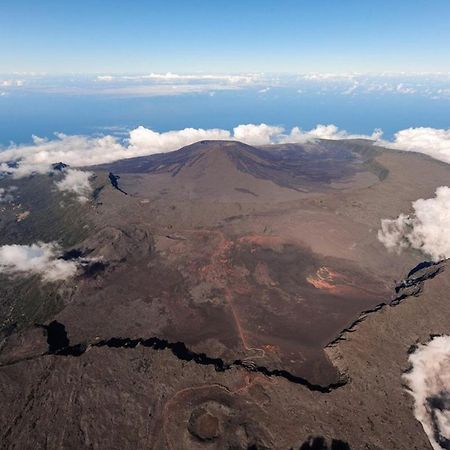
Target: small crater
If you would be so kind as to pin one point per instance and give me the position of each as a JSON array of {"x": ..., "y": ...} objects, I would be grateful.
[{"x": 204, "y": 426}]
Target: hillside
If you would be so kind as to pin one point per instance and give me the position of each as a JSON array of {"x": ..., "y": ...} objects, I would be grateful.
[{"x": 218, "y": 299}]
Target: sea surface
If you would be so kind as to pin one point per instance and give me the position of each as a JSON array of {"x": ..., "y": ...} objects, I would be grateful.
[{"x": 25, "y": 114}]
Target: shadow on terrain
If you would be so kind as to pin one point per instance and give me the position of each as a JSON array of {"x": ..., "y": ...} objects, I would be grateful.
[
  {"x": 319, "y": 443},
  {"x": 115, "y": 183},
  {"x": 59, "y": 344}
]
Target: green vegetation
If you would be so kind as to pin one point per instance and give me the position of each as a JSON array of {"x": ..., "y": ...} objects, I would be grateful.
[
  {"x": 39, "y": 213},
  {"x": 53, "y": 216},
  {"x": 25, "y": 301}
]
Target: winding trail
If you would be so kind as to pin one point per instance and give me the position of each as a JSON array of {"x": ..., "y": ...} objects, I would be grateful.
[{"x": 220, "y": 272}]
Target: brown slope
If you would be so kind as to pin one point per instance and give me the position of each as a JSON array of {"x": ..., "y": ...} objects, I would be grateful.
[
  {"x": 223, "y": 271},
  {"x": 233, "y": 170}
]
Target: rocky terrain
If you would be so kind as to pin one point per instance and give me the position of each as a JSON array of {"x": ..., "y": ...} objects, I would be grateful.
[{"x": 226, "y": 296}]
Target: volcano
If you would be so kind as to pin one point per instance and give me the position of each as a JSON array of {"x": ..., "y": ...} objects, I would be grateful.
[
  {"x": 233, "y": 170},
  {"x": 219, "y": 300}
]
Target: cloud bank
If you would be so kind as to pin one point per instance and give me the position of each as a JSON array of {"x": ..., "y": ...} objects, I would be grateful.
[
  {"x": 143, "y": 141},
  {"x": 76, "y": 182},
  {"x": 257, "y": 134},
  {"x": 429, "y": 141},
  {"x": 426, "y": 229},
  {"x": 83, "y": 151},
  {"x": 175, "y": 77},
  {"x": 429, "y": 384},
  {"x": 331, "y": 132},
  {"x": 429, "y": 85},
  {"x": 36, "y": 259}
]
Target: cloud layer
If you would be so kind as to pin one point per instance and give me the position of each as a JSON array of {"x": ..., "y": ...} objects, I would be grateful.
[
  {"x": 82, "y": 151},
  {"x": 36, "y": 259},
  {"x": 171, "y": 77},
  {"x": 430, "y": 85},
  {"x": 429, "y": 384},
  {"x": 426, "y": 229}
]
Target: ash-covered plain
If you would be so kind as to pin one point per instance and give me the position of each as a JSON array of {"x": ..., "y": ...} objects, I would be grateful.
[{"x": 218, "y": 296}]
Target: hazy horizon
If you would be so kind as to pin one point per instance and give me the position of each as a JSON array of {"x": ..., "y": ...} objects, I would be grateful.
[{"x": 112, "y": 104}]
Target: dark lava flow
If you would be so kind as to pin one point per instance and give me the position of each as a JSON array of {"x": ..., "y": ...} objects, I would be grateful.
[
  {"x": 56, "y": 336},
  {"x": 71, "y": 254},
  {"x": 319, "y": 443},
  {"x": 58, "y": 342},
  {"x": 59, "y": 345},
  {"x": 115, "y": 183},
  {"x": 60, "y": 166},
  {"x": 91, "y": 268},
  {"x": 412, "y": 285},
  {"x": 94, "y": 269},
  {"x": 420, "y": 266}
]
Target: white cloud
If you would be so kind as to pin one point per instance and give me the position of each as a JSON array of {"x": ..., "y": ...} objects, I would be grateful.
[
  {"x": 7, "y": 194},
  {"x": 261, "y": 134},
  {"x": 79, "y": 151},
  {"x": 144, "y": 90},
  {"x": 105, "y": 78},
  {"x": 77, "y": 182},
  {"x": 83, "y": 151},
  {"x": 164, "y": 84},
  {"x": 321, "y": 76},
  {"x": 402, "y": 89},
  {"x": 241, "y": 79},
  {"x": 144, "y": 141},
  {"x": 394, "y": 231},
  {"x": 175, "y": 77},
  {"x": 429, "y": 383},
  {"x": 40, "y": 258},
  {"x": 73, "y": 150},
  {"x": 429, "y": 85},
  {"x": 331, "y": 132},
  {"x": 433, "y": 142},
  {"x": 11, "y": 83},
  {"x": 427, "y": 229}
]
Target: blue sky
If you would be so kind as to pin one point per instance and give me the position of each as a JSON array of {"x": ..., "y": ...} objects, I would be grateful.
[
  {"x": 94, "y": 67},
  {"x": 112, "y": 36}
]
